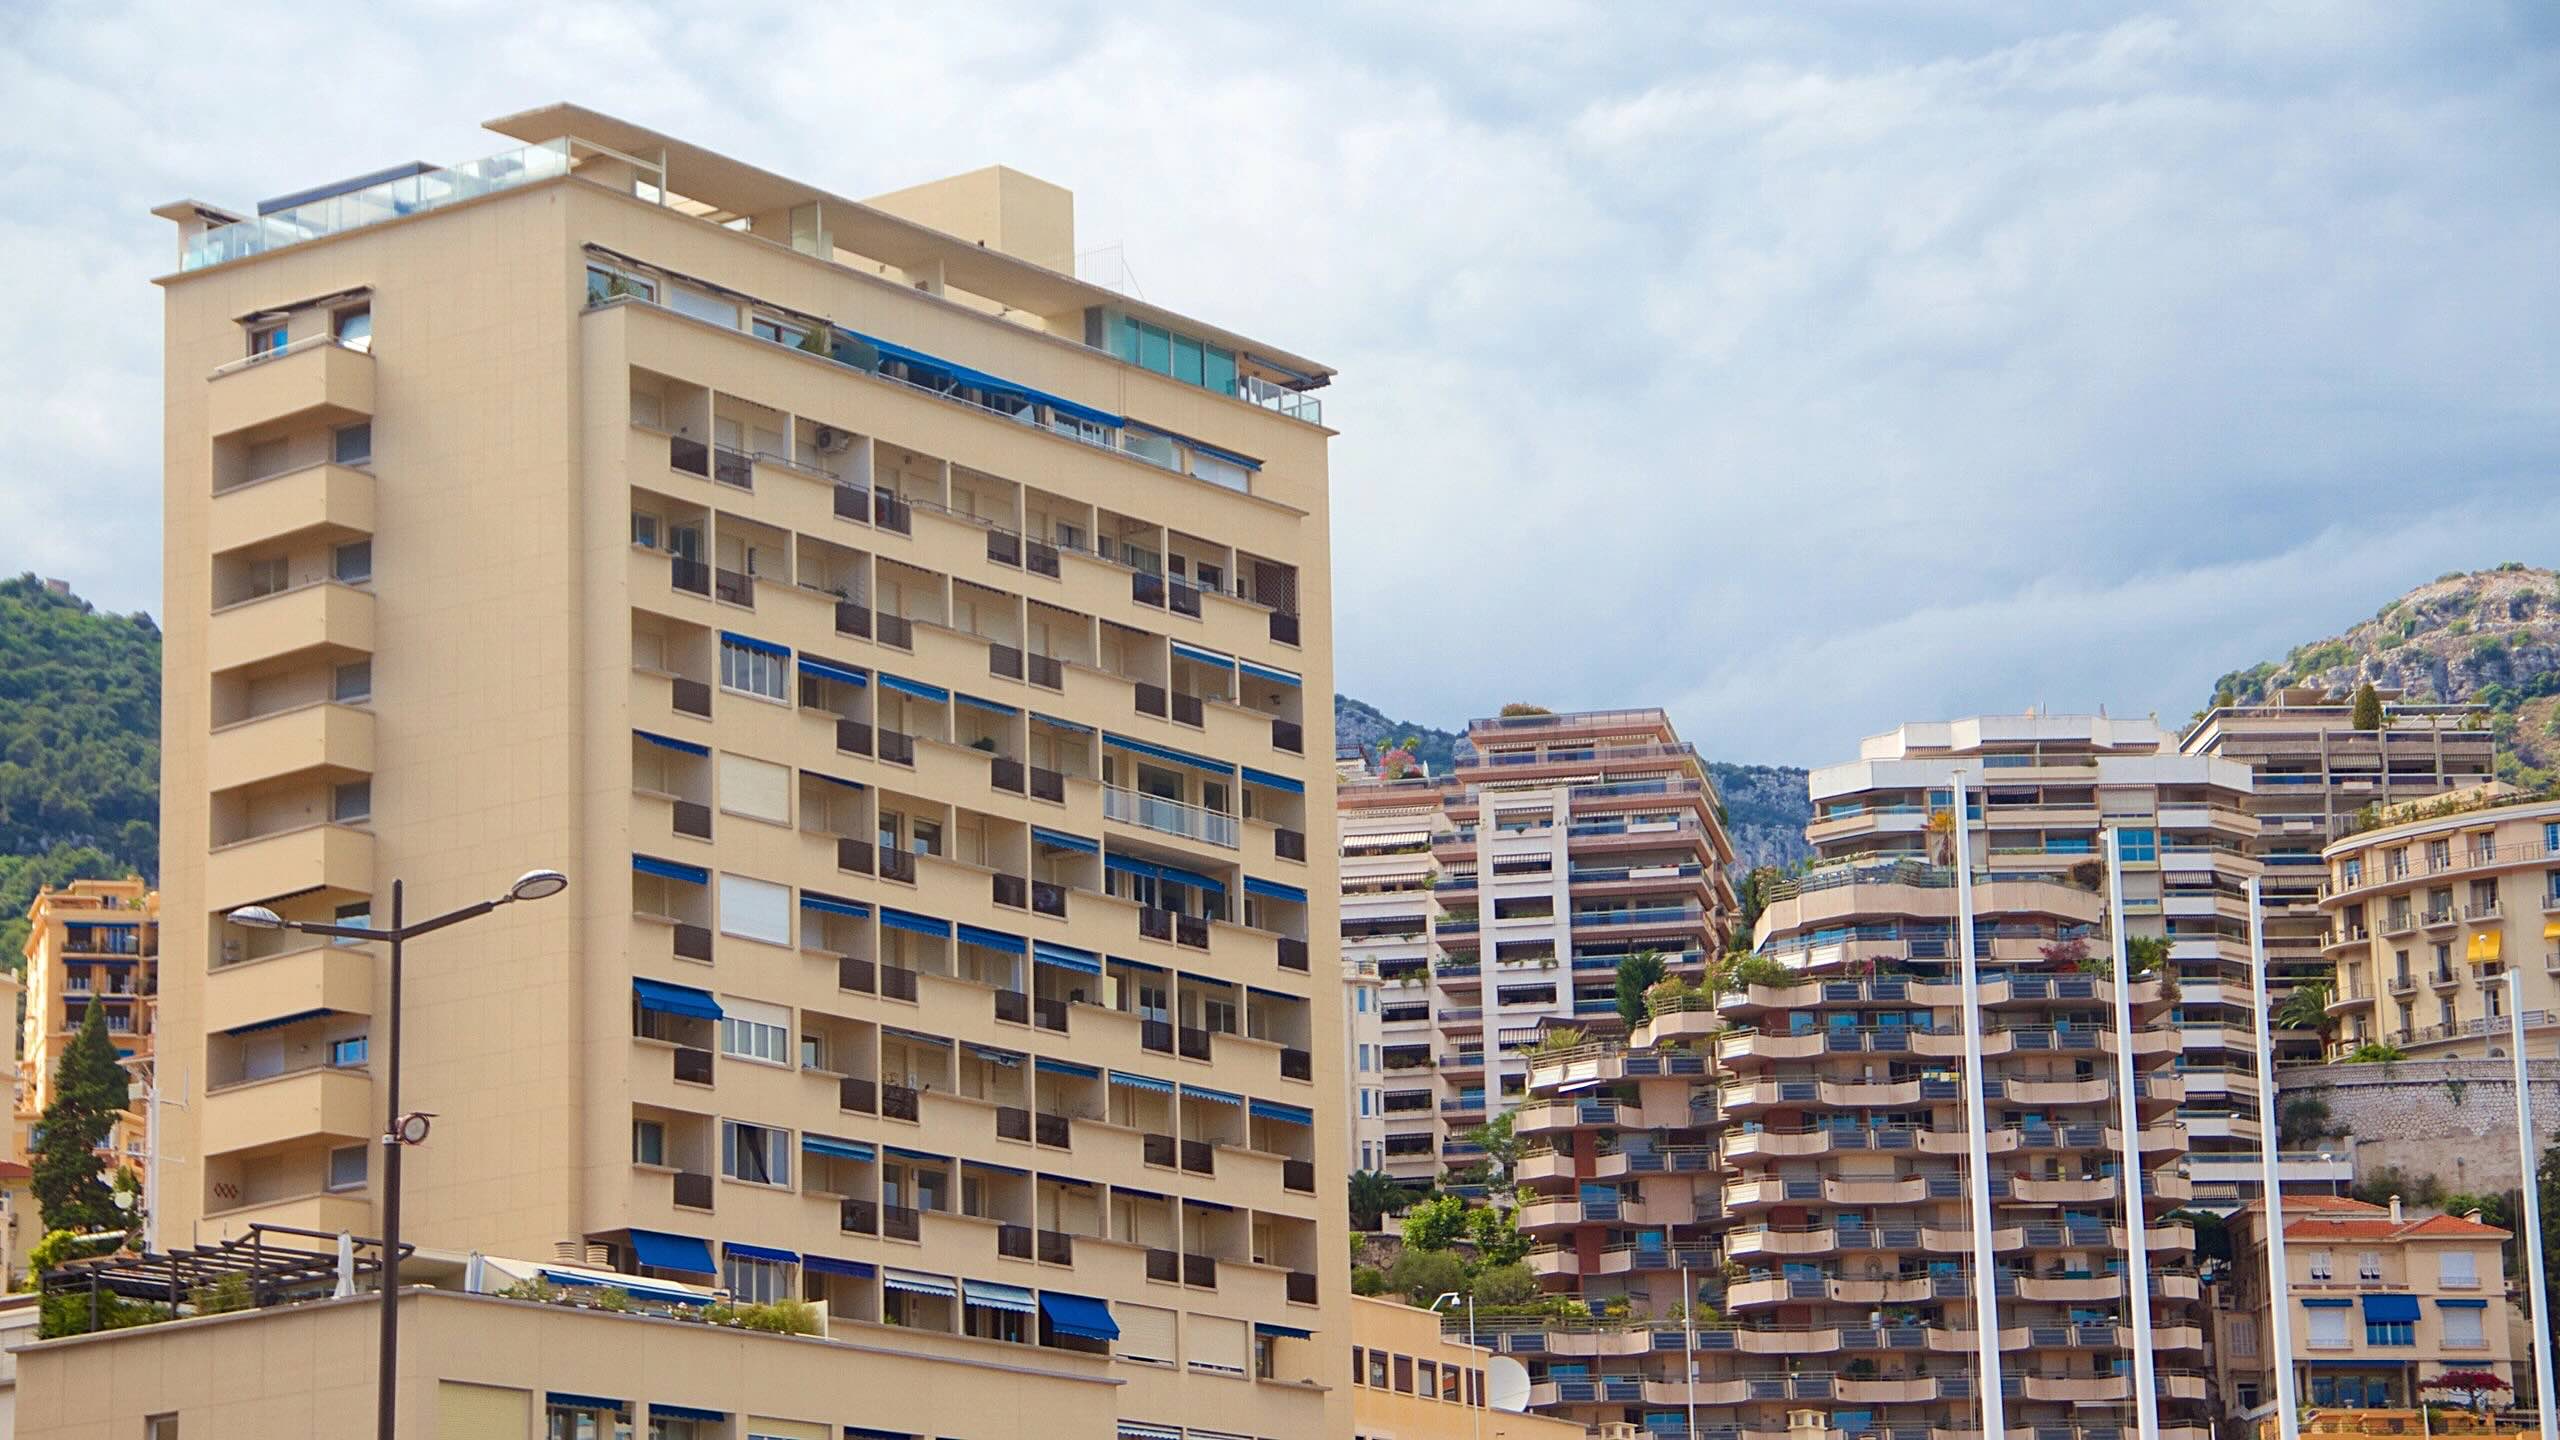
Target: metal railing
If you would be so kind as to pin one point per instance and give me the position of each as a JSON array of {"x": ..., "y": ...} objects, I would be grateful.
[{"x": 1173, "y": 817}]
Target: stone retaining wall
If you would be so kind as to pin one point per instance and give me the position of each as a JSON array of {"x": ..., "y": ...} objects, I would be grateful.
[{"x": 2453, "y": 1119}]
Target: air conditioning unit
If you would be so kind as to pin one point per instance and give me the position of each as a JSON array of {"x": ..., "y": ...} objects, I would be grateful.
[
  {"x": 582, "y": 1252},
  {"x": 831, "y": 438}
]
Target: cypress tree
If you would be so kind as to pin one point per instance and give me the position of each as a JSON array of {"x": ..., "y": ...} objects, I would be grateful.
[
  {"x": 89, "y": 1091},
  {"x": 2368, "y": 711}
]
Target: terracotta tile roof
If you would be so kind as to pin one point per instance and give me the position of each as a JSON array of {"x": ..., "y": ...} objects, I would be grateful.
[{"x": 2383, "y": 1227}]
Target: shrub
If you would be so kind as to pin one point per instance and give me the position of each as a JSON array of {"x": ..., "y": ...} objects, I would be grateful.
[
  {"x": 1368, "y": 1280},
  {"x": 1510, "y": 1284},
  {"x": 1519, "y": 707},
  {"x": 223, "y": 1296},
  {"x": 2368, "y": 708},
  {"x": 68, "y": 1313},
  {"x": 2374, "y": 1052},
  {"x": 782, "y": 1317},
  {"x": 1419, "y": 1275}
]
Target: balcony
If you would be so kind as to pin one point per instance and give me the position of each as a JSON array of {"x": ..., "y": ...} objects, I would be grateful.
[
  {"x": 316, "y": 381},
  {"x": 329, "y": 977},
  {"x": 326, "y": 616},
  {"x": 314, "y": 857},
  {"x": 321, "y": 1102},
  {"x": 290, "y": 742},
  {"x": 1171, "y": 817},
  {"x": 333, "y": 498}
]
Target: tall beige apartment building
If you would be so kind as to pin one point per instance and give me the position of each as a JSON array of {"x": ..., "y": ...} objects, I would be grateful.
[
  {"x": 2311, "y": 772},
  {"x": 912, "y": 653},
  {"x": 90, "y": 942},
  {"x": 2429, "y": 910},
  {"x": 1493, "y": 905}
]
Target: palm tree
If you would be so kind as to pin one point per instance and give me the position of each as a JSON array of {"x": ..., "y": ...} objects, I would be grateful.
[
  {"x": 2306, "y": 1008},
  {"x": 1373, "y": 1193}
]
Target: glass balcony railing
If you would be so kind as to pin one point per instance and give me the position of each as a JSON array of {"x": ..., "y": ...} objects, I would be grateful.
[
  {"x": 335, "y": 214},
  {"x": 1170, "y": 816}
]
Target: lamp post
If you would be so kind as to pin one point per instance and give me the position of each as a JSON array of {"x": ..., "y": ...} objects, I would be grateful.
[
  {"x": 2271, "y": 1182},
  {"x": 2537, "y": 1290},
  {"x": 1450, "y": 1298},
  {"x": 400, "y": 1131}
]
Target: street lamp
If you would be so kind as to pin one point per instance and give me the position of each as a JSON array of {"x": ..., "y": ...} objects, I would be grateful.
[
  {"x": 1450, "y": 1298},
  {"x": 399, "y": 1131}
]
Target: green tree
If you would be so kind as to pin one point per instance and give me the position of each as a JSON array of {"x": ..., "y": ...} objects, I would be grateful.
[
  {"x": 89, "y": 1091},
  {"x": 1368, "y": 1280},
  {"x": 1423, "y": 1275},
  {"x": 2305, "y": 1008},
  {"x": 1500, "y": 1146},
  {"x": 2547, "y": 1177},
  {"x": 1373, "y": 1193},
  {"x": 1435, "y": 1224},
  {"x": 1637, "y": 973},
  {"x": 1496, "y": 1233},
  {"x": 1510, "y": 1284},
  {"x": 2368, "y": 711}
]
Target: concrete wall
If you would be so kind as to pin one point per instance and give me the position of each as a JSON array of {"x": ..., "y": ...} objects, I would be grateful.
[{"x": 2453, "y": 1119}]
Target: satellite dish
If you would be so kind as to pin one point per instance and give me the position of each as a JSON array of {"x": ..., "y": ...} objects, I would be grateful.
[{"x": 1506, "y": 1384}]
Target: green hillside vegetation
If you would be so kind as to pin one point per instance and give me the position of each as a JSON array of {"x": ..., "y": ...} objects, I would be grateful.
[
  {"x": 79, "y": 748},
  {"x": 2490, "y": 637}
]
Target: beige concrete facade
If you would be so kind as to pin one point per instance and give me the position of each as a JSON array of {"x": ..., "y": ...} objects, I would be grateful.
[
  {"x": 1414, "y": 1379},
  {"x": 917, "y": 692},
  {"x": 2311, "y": 772},
  {"x": 91, "y": 942},
  {"x": 2427, "y": 913},
  {"x": 1390, "y": 910},
  {"x": 2354, "y": 1270}
]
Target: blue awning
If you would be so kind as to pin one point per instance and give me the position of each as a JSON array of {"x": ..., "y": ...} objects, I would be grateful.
[
  {"x": 573, "y": 1401},
  {"x": 2327, "y": 1303},
  {"x": 915, "y": 924},
  {"x": 1048, "y": 1066},
  {"x": 650, "y": 1294},
  {"x": 828, "y": 904},
  {"x": 749, "y": 642},
  {"x": 1138, "y": 965},
  {"x": 990, "y": 706},
  {"x": 669, "y": 999},
  {"x": 296, "y": 1018},
  {"x": 997, "y": 1297},
  {"x": 1285, "y": 1114},
  {"x": 686, "y": 1412},
  {"x": 2462, "y": 1304},
  {"x": 915, "y": 1283},
  {"x": 992, "y": 940},
  {"x": 832, "y": 779},
  {"x": 1069, "y": 726},
  {"x": 1060, "y": 840},
  {"x": 834, "y": 1148},
  {"x": 1168, "y": 754},
  {"x": 2397, "y": 1309},
  {"x": 1009, "y": 1059},
  {"x": 1275, "y": 782},
  {"x": 1066, "y": 957},
  {"x": 830, "y": 1265},
  {"x": 1198, "y": 656},
  {"x": 683, "y": 747},
  {"x": 1141, "y": 1082},
  {"x": 1281, "y": 1332},
  {"x": 671, "y": 869},
  {"x": 760, "y": 1252},
  {"x": 1265, "y": 672},
  {"x": 915, "y": 688},
  {"x": 962, "y": 374},
  {"x": 922, "y": 1157},
  {"x": 1169, "y": 874},
  {"x": 1230, "y": 456},
  {"x": 1274, "y": 890},
  {"x": 1081, "y": 1316},
  {"x": 661, "y": 1251},
  {"x": 830, "y": 670},
  {"x": 1215, "y": 1097}
]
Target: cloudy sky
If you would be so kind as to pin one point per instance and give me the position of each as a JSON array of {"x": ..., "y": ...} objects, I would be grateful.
[{"x": 1803, "y": 368}]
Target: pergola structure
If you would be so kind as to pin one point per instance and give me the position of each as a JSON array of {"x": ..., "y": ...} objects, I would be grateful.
[{"x": 278, "y": 1262}]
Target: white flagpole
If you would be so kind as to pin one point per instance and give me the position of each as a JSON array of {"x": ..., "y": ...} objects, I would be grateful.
[
  {"x": 1689, "y": 1341},
  {"x": 1986, "y": 1272},
  {"x": 2537, "y": 1296},
  {"x": 2137, "y": 1248},
  {"x": 2271, "y": 1183}
]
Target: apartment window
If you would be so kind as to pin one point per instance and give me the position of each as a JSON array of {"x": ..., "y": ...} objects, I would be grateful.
[
  {"x": 604, "y": 284},
  {"x": 2138, "y": 845},
  {"x": 2368, "y": 1264},
  {"x": 2465, "y": 1326},
  {"x": 2444, "y": 1012},
  {"x": 752, "y": 667},
  {"x": 266, "y": 577},
  {"x": 1364, "y": 1102},
  {"x": 1450, "y": 1378},
  {"x": 2319, "y": 1260},
  {"x": 1427, "y": 1383},
  {"x": 644, "y": 529},
  {"x": 752, "y": 1031},
  {"x": 756, "y": 789},
  {"x": 350, "y": 1052},
  {"x": 352, "y": 444},
  {"x": 353, "y": 326},
  {"x": 352, "y": 683},
  {"x": 352, "y": 562},
  {"x": 1377, "y": 1370},
  {"x": 758, "y": 1154},
  {"x": 2243, "y": 1333},
  {"x": 346, "y": 1167},
  {"x": 756, "y": 1281},
  {"x": 351, "y": 802},
  {"x": 754, "y": 909},
  {"x": 2351, "y": 872},
  {"x": 1404, "y": 1374},
  {"x": 648, "y": 1142},
  {"x": 1366, "y": 1059},
  {"x": 267, "y": 340},
  {"x": 160, "y": 1427},
  {"x": 2390, "y": 1332},
  {"x": 2457, "y": 1270}
]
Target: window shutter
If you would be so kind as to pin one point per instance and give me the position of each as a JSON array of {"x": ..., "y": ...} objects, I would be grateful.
[
  {"x": 2464, "y": 1327},
  {"x": 1146, "y": 1333},
  {"x": 2329, "y": 1327},
  {"x": 1219, "y": 1344},
  {"x": 755, "y": 788},
  {"x": 755, "y": 909}
]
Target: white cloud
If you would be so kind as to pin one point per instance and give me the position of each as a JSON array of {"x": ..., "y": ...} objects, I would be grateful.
[{"x": 1810, "y": 368}]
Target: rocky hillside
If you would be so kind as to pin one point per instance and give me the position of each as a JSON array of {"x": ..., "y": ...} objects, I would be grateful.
[
  {"x": 1765, "y": 805},
  {"x": 2492, "y": 636}
]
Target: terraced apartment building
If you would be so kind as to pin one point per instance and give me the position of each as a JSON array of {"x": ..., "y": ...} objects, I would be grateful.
[
  {"x": 1821, "y": 1125},
  {"x": 2428, "y": 912},
  {"x": 2311, "y": 772},
  {"x": 89, "y": 942},
  {"x": 1491, "y": 906},
  {"x": 913, "y": 655}
]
